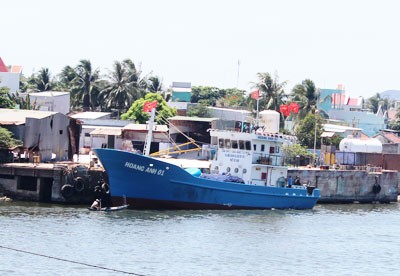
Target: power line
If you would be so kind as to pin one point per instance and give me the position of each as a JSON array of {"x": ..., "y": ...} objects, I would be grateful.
[{"x": 69, "y": 261}]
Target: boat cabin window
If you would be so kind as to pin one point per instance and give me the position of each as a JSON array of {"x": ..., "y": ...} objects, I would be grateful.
[
  {"x": 255, "y": 147},
  {"x": 248, "y": 145},
  {"x": 227, "y": 143},
  {"x": 221, "y": 143},
  {"x": 262, "y": 147},
  {"x": 241, "y": 144},
  {"x": 234, "y": 144},
  {"x": 277, "y": 149},
  {"x": 272, "y": 150}
]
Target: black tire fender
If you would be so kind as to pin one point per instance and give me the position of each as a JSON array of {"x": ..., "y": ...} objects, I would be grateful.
[
  {"x": 79, "y": 184},
  {"x": 67, "y": 190},
  {"x": 105, "y": 188}
]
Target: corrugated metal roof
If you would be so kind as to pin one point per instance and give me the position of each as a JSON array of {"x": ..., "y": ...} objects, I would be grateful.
[
  {"x": 327, "y": 134},
  {"x": 107, "y": 131},
  {"x": 143, "y": 127},
  {"x": 49, "y": 94},
  {"x": 18, "y": 116},
  {"x": 195, "y": 119},
  {"x": 90, "y": 115}
]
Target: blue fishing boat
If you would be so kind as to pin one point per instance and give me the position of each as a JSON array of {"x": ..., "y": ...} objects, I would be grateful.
[{"x": 246, "y": 172}]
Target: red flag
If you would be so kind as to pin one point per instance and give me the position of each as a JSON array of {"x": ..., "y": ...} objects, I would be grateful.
[
  {"x": 294, "y": 107},
  {"x": 284, "y": 109},
  {"x": 148, "y": 106},
  {"x": 255, "y": 94}
]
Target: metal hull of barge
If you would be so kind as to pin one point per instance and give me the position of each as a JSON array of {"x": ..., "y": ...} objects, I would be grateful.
[{"x": 148, "y": 183}]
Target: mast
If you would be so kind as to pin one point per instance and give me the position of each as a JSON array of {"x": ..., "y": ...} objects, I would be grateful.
[{"x": 147, "y": 143}]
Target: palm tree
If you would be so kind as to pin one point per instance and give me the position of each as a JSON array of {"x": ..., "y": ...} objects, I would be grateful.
[
  {"x": 86, "y": 80},
  {"x": 271, "y": 91},
  {"x": 42, "y": 80},
  {"x": 124, "y": 86},
  {"x": 155, "y": 84},
  {"x": 307, "y": 96}
]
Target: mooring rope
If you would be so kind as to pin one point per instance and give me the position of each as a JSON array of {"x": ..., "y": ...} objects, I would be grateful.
[{"x": 69, "y": 261}]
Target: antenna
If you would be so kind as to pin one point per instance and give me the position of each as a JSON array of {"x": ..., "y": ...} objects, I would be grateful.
[{"x": 237, "y": 79}]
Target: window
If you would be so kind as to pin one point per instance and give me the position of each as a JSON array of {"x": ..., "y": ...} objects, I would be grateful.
[
  {"x": 262, "y": 147},
  {"x": 248, "y": 145},
  {"x": 241, "y": 144},
  {"x": 221, "y": 143},
  {"x": 234, "y": 144},
  {"x": 227, "y": 143},
  {"x": 254, "y": 147},
  {"x": 271, "y": 150}
]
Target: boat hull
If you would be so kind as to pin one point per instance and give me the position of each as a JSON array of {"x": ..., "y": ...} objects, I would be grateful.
[{"x": 148, "y": 183}]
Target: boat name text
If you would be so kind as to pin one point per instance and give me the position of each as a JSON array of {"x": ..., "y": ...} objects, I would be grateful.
[{"x": 142, "y": 168}]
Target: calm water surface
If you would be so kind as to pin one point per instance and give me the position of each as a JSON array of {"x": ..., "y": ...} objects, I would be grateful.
[{"x": 328, "y": 240}]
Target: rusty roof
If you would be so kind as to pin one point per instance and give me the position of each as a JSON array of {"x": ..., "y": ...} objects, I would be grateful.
[{"x": 18, "y": 116}]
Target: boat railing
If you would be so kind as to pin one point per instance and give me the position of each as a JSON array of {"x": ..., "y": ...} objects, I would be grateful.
[{"x": 269, "y": 159}]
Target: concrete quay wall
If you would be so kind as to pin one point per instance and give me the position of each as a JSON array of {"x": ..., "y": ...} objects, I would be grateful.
[{"x": 348, "y": 186}]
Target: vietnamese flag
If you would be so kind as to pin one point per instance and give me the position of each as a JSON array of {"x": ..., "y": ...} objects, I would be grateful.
[
  {"x": 284, "y": 109},
  {"x": 255, "y": 94},
  {"x": 294, "y": 107},
  {"x": 148, "y": 106}
]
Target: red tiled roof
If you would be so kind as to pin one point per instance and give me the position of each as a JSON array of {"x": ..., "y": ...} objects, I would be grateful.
[
  {"x": 391, "y": 137},
  {"x": 16, "y": 69},
  {"x": 3, "y": 67},
  {"x": 353, "y": 101}
]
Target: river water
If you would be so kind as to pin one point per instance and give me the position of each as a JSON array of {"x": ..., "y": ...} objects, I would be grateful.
[{"x": 40, "y": 239}]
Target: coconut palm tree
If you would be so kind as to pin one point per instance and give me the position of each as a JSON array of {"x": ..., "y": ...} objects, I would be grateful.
[
  {"x": 124, "y": 86},
  {"x": 42, "y": 80},
  {"x": 86, "y": 81},
  {"x": 155, "y": 84},
  {"x": 83, "y": 83},
  {"x": 307, "y": 96}
]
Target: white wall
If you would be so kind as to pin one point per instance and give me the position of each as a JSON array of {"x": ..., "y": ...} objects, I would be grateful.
[
  {"x": 48, "y": 102},
  {"x": 10, "y": 80}
]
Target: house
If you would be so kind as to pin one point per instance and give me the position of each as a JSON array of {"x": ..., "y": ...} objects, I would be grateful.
[
  {"x": 181, "y": 91},
  {"x": 390, "y": 140},
  {"x": 99, "y": 130},
  {"x": 51, "y": 101},
  {"x": 350, "y": 110},
  {"x": 51, "y": 135},
  {"x": 10, "y": 76}
]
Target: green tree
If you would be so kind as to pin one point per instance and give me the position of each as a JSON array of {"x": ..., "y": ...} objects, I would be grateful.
[
  {"x": 307, "y": 96},
  {"x": 155, "y": 84},
  {"x": 136, "y": 113},
  {"x": 42, "y": 81},
  {"x": 6, "y": 139},
  {"x": 271, "y": 92},
  {"x": 376, "y": 101},
  {"x": 305, "y": 131},
  {"x": 197, "y": 111},
  {"x": 206, "y": 95},
  {"x": 86, "y": 81},
  {"x": 233, "y": 98},
  {"x": 6, "y": 100},
  {"x": 124, "y": 86}
]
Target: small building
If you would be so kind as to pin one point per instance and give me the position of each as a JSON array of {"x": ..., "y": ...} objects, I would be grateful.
[
  {"x": 51, "y": 135},
  {"x": 181, "y": 91},
  {"x": 232, "y": 119},
  {"x": 390, "y": 140},
  {"x": 10, "y": 76},
  {"x": 51, "y": 101}
]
